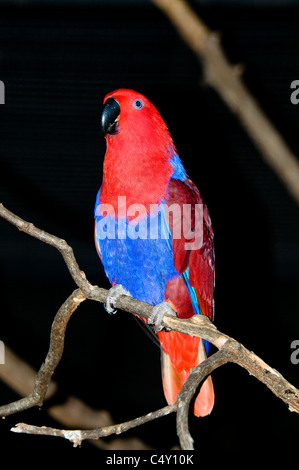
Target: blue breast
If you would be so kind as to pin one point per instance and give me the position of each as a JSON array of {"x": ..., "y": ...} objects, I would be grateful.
[{"x": 137, "y": 255}]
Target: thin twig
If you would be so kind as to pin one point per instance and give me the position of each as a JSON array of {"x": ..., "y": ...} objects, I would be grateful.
[
  {"x": 77, "y": 436},
  {"x": 226, "y": 79}
]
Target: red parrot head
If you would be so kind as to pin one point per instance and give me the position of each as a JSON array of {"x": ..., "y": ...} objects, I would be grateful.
[
  {"x": 139, "y": 148},
  {"x": 130, "y": 113}
]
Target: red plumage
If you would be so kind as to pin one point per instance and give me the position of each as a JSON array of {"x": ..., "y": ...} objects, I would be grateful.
[
  {"x": 182, "y": 352},
  {"x": 138, "y": 165}
]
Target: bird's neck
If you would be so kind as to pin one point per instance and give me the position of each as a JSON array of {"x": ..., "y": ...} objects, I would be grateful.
[{"x": 138, "y": 177}]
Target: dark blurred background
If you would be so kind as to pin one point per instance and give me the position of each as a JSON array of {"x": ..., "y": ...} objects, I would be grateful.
[{"x": 58, "y": 60}]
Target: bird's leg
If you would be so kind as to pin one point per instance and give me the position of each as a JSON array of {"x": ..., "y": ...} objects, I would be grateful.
[
  {"x": 113, "y": 294},
  {"x": 156, "y": 316}
]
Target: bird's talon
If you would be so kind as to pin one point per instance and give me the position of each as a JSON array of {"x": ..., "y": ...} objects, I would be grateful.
[
  {"x": 113, "y": 294},
  {"x": 156, "y": 316}
]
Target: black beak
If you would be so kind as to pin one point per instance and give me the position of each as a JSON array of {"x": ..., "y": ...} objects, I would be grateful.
[{"x": 110, "y": 114}]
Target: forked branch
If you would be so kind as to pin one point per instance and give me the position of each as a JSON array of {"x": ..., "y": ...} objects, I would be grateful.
[{"x": 229, "y": 350}]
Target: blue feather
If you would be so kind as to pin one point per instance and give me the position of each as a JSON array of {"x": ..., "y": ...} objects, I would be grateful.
[
  {"x": 192, "y": 293},
  {"x": 142, "y": 265},
  {"x": 179, "y": 172},
  {"x": 194, "y": 302}
]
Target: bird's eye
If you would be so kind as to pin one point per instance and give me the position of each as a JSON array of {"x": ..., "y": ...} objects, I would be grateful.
[{"x": 138, "y": 104}]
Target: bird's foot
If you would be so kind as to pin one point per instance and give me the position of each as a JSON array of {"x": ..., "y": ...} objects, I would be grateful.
[
  {"x": 113, "y": 294},
  {"x": 156, "y": 316}
]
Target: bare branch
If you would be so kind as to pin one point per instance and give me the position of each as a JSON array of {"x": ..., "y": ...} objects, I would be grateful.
[
  {"x": 43, "y": 378},
  {"x": 77, "y": 436},
  {"x": 73, "y": 413},
  {"x": 61, "y": 245},
  {"x": 20, "y": 376},
  {"x": 197, "y": 376},
  {"x": 226, "y": 79},
  {"x": 230, "y": 350}
]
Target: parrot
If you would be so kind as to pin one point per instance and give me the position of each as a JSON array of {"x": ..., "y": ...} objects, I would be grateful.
[{"x": 138, "y": 209}]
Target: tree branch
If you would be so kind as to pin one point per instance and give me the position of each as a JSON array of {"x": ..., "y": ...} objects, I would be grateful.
[
  {"x": 188, "y": 390},
  {"x": 19, "y": 376},
  {"x": 229, "y": 350},
  {"x": 77, "y": 436},
  {"x": 73, "y": 413},
  {"x": 226, "y": 79},
  {"x": 43, "y": 378}
]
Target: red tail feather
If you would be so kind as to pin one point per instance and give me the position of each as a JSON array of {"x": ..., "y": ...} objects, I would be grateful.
[{"x": 179, "y": 354}]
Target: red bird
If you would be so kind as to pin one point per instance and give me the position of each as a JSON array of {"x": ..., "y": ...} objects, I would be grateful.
[{"x": 154, "y": 234}]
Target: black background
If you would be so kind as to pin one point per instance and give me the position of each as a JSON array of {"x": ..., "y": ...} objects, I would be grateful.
[{"x": 57, "y": 64}]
